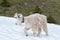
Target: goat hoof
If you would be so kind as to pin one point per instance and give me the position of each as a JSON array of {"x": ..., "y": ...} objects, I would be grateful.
[
  {"x": 16, "y": 23},
  {"x": 26, "y": 35}
]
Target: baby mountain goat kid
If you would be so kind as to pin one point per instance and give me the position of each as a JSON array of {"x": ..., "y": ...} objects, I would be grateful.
[{"x": 35, "y": 22}]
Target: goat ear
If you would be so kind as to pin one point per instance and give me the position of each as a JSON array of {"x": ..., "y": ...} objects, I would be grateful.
[{"x": 15, "y": 15}]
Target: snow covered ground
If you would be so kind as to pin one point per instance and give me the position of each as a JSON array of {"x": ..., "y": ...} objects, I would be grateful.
[{"x": 10, "y": 31}]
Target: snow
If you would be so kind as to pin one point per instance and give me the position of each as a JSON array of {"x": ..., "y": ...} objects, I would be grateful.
[{"x": 10, "y": 31}]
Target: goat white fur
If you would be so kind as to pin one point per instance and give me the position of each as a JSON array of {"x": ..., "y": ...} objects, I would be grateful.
[{"x": 36, "y": 22}]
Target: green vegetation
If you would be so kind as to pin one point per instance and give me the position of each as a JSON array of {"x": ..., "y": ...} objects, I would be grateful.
[
  {"x": 37, "y": 10},
  {"x": 50, "y": 8},
  {"x": 51, "y": 20},
  {"x": 5, "y": 3}
]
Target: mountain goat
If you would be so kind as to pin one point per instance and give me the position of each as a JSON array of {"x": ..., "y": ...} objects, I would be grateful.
[{"x": 35, "y": 22}]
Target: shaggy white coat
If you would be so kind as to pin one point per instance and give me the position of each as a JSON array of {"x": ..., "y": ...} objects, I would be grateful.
[{"x": 36, "y": 22}]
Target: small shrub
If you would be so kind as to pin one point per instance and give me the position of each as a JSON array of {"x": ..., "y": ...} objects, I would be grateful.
[
  {"x": 5, "y": 3},
  {"x": 37, "y": 10},
  {"x": 51, "y": 19}
]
